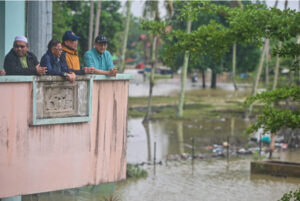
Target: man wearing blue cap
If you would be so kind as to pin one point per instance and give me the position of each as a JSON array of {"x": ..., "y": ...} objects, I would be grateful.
[
  {"x": 19, "y": 61},
  {"x": 99, "y": 58},
  {"x": 69, "y": 46}
]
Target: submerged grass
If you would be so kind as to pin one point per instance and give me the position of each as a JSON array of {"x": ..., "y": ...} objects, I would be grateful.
[
  {"x": 134, "y": 171},
  {"x": 199, "y": 104}
]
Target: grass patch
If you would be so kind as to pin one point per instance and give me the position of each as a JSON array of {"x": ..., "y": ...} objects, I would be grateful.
[
  {"x": 134, "y": 171},
  {"x": 199, "y": 104},
  {"x": 159, "y": 76}
]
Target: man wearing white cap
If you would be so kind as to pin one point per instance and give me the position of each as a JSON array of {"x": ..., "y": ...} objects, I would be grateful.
[{"x": 19, "y": 61}]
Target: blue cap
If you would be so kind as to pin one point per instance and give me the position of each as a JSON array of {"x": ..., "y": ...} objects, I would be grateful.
[{"x": 69, "y": 35}]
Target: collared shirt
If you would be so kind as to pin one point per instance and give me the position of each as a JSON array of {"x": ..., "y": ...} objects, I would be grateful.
[
  {"x": 23, "y": 61},
  {"x": 92, "y": 58},
  {"x": 72, "y": 58}
]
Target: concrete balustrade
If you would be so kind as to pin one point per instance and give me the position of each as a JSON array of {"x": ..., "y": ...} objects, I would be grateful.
[{"x": 57, "y": 135}]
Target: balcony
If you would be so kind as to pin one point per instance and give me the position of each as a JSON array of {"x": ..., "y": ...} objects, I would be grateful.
[{"x": 57, "y": 135}]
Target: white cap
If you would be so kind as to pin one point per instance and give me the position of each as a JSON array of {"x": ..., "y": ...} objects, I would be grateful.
[{"x": 21, "y": 38}]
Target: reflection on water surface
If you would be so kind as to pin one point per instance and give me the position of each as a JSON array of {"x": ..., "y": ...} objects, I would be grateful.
[{"x": 210, "y": 179}]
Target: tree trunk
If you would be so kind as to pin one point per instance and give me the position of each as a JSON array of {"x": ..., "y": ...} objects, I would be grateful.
[
  {"x": 267, "y": 67},
  {"x": 203, "y": 79},
  {"x": 91, "y": 25},
  {"x": 272, "y": 145},
  {"x": 145, "y": 51},
  {"x": 234, "y": 66},
  {"x": 277, "y": 65},
  {"x": 213, "y": 80},
  {"x": 122, "y": 65},
  {"x": 151, "y": 80},
  {"x": 240, "y": 4},
  {"x": 180, "y": 135},
  {"x": 183, "y": 75},
  {"x": 147, "y": 129},
  {"x": 260, "y": 66},
  {"x": 256, "y": 81},
  {"x": 98, "y": 14},
  {"x": 276, "y": 75}
]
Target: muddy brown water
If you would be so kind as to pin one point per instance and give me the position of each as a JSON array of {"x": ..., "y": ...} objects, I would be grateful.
[{"x": 203, "y": 179}]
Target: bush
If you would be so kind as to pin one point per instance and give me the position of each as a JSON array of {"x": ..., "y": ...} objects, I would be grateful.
[
  {"x": 135, "y": 171},
  {"x": 291, "y": 196}
]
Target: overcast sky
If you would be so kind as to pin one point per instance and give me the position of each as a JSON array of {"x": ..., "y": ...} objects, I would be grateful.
[{"x": 138, "y": 5}]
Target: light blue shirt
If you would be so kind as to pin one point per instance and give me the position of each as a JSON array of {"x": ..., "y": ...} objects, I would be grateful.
[{"x": 92, "y": 58}]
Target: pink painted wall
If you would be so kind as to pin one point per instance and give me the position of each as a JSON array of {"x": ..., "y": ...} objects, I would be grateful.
[{"x": 37, "y": 159}]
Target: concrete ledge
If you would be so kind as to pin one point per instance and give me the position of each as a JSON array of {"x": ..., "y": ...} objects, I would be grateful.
[
  {"x": 118, "y": 77},
  {"x": 16, "y": 78},
  {"x": 22, "y": 78}
]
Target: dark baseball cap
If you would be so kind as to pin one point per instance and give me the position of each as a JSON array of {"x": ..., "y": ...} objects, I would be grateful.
[
  {"x": 69, "y": 35},
  {"x": 101, "y": 39}
]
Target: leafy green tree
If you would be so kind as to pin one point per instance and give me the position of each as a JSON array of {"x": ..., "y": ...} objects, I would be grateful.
[
  {"x": 246, "y": 56},
  {"x": 62, "y": 18},
  {"x": 248, "y": 26},
  {"x": 73, "y": 15},
  {"x": 155, "y": 27}
]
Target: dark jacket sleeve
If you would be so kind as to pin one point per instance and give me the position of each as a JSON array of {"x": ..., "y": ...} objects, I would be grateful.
[
  {"x": 13, "y": 66},
  {"x": 34, "y": 59},
  {"x": 64, "y": 65},
  {"x": 78, "y": 72},
  {"x": 46, "y": 62}
]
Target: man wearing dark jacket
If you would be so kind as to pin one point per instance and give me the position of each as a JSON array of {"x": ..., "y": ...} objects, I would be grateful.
[
  {"x": 55, "y": 63},
  {"x": 19, "y": 61}
]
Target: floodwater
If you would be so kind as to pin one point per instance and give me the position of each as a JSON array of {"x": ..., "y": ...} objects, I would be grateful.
[
  {"x": 202, "y": 179},
  {"x": 138, "y": 87}
]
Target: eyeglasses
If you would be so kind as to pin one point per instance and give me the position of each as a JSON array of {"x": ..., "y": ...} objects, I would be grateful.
[
  {"x": 60, "y": 50},
  {"x": 101, "y": 44},
  {"x": 20, "y": 46}
]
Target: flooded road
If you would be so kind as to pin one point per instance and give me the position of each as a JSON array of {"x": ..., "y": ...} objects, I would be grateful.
[
  {"x": 202, "y": 179},
  {"x": 164, "y": 87}
]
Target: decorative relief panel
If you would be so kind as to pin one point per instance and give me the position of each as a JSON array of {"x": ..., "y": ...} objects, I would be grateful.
[{"x": 61, "y": 99}]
